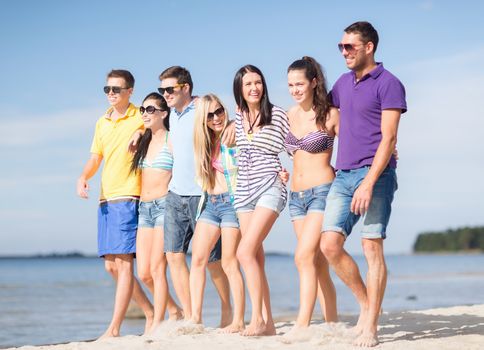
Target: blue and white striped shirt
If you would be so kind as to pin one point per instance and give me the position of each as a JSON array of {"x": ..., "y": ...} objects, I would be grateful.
[{"x": 259, "y": 163}]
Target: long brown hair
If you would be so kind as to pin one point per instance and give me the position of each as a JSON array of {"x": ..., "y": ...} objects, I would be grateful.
[{"x": 312, "y": 70}]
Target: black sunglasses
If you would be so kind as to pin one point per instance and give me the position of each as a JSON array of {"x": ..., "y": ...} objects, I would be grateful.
[
  {"x": 219, "y": 112},
  {"x": 169, "y": 90},
  {"x": 114, "y": 89},
  {"x": 149, "y": 109}
]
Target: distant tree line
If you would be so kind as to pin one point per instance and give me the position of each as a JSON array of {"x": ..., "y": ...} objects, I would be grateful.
[{"x": 460, "y": 239}]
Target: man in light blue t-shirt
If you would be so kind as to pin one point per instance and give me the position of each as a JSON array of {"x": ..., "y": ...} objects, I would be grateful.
[{"x": 184, "y": 193}]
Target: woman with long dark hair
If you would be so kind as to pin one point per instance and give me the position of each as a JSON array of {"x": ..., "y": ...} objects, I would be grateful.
[
  {"x": 260, "y": 196},
  {"x": 313, "y": 126},
  {"x": 154, "y": 159}
]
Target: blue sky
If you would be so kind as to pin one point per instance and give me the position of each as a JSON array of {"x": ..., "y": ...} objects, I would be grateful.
[{"x": 55, "y": 55}]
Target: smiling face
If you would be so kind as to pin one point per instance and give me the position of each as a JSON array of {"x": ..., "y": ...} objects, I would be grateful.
[
  {"x": 300, "y": 88},
  {"x": 122, "y": 98},
  {"x": 180, "y": 94},
  {"x": 356, "y": 58},
  {"x": 252, "y": 88},
  {"x": 153, "y": 120},
  {"x": 216, "y": 121}
]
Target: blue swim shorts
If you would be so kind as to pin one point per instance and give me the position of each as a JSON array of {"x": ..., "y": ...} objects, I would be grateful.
[{"x": 117, "y": 225}]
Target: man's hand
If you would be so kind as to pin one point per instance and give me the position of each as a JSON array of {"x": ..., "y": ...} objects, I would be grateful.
[
  {"x": 228, "y": 137},
  {"x": 284, "y": 176},
  {"x": 362, "y": 198},
  {"x": 82, "y": 188},
  {"x": 133, "y": 142}
]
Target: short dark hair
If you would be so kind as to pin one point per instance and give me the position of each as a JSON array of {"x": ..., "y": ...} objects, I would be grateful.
[
  {"x": 182, "y": 75},
  {"x": 367, "y": 32},
  {"x": 121, "y": 73},
  {"x": 265, "y": 103}
]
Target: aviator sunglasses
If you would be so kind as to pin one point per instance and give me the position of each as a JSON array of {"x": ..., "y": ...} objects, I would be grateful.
[
  {"x": 170, "y": 89},
  {"x": 219, "y": 112},
  {"x": 149, "y": 109},
  {"x": 348, "y": 47},
  {"x": 115, "y": 89}
]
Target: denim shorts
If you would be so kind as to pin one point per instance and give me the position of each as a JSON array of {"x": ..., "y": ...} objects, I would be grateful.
[
  {"x": 152, "y": 213},
  {"x": 338, "y": 216},
  {"x": 180, "y": 213},
  {"x": 219, "y": 211},
  {"x": 312, "y": 200},
  {"x": 273, "y": 198}
]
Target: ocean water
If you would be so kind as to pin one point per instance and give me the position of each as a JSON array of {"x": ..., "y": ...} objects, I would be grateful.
[{"x": 54, "y": 300}]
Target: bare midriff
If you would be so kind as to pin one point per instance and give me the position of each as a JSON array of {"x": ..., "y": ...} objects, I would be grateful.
[
  {"x": 154, "y": 183},
  {"x": 311, "y": 169},
  {"x": 220, "y": 184}
]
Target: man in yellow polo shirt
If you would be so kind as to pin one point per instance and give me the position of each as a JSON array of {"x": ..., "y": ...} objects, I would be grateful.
[{"x": 120, "y": 191}]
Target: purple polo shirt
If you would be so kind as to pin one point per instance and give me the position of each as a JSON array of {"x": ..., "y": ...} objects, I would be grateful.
[{"x": 361, "y": 104}]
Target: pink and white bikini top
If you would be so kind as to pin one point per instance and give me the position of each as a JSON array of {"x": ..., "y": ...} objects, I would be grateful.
[{"x": 314, "y": 142}]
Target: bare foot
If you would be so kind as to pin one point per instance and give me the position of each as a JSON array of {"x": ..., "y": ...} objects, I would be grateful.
[
  {"x": 236, "y": 327},
  {"x": 358, "y": 329},
  {"x": 366, "y": 340},
  {"x": 226, "y": 318},
  {"x": 297, "y": 334},
  {"x": 109, "y": 334},
  {"x": 148, "y": 323},
  {"x": 270, "y": 329},
  {"x": 254, "y": 329},
  {"x": 176, "y": 315},
  {"x": 153, "y": 327}
]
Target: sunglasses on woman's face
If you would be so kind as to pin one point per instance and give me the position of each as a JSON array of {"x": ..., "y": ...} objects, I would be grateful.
[
  {"x": 114, "y": 89},
  {"x": 149, "y": 109},
  {"x": 219, "y": 112}
]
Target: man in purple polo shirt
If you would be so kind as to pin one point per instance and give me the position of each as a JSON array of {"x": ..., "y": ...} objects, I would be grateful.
[{"x": 370, "y": 100}]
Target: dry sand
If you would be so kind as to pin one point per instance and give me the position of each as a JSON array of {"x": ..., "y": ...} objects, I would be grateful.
[{"x": 460, "y": 327}]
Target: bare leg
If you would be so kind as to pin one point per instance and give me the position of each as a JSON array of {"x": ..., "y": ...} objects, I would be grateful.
[
  {"x": 122, "y": 264},
  {"x": 230, "y": 242},
  {"x": 376, "y": 283},
  {"x": 161, "y": 295},
  {"x": 346, "y": 269},
  {"x": 144, "y": 242},
  {"x": 203, "y": 241},
  {"x": 221, "y": 283},
  {"x": 266, "y": 297},
  {"x": 181, "y": 281},
  {"x": 254, "y": 227},
  {"x": 326, "y": 289}
]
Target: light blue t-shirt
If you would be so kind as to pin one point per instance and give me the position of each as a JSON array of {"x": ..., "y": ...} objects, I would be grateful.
[{"x": 181, "y": 133}]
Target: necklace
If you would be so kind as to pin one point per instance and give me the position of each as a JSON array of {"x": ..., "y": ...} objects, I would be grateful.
[{"x": 251, "y": 125}]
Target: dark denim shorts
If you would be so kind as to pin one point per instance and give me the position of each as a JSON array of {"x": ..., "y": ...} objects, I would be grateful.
[{"x": 180, "y": 213}]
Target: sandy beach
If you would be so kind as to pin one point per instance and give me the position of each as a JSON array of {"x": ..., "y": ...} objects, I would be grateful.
[{"x": 459, "y": 327}]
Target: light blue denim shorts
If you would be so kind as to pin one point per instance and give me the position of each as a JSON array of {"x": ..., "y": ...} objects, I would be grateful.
[
  {"x": 180, "y": 225},
  {"x": 312, "y": 200},
  {"x": 338, "y": 216},
  {"x": 219, "y": 211},
  {"x": 152, "y": 213},
  {"x": 273, "y": 198}
]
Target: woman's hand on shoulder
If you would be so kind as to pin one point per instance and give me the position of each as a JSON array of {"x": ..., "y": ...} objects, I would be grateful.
[{"x": 228, "y": 137}]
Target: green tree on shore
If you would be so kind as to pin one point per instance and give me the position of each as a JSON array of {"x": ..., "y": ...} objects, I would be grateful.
[{"x": 452, "y": 240}]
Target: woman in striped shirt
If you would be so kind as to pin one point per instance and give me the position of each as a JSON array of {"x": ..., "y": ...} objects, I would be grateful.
[
  {"x": 314, "y": 124},
  {"x": 260, "y": 196}
]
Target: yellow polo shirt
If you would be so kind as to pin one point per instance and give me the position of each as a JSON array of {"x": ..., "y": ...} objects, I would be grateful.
[{"x": 111, "y": 142}]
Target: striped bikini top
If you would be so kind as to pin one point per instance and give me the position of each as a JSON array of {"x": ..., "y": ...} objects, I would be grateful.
[
  {"x": 314, "y": 142},
  {"x": 163, "y": 160}
]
